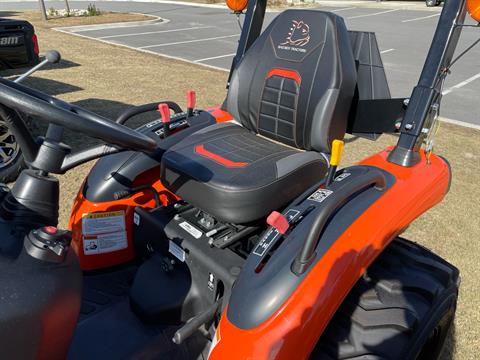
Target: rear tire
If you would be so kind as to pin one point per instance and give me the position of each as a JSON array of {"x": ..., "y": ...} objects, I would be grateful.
[
  {"x": 11, "y": 157},
  {"x": 402, "y": 308}
]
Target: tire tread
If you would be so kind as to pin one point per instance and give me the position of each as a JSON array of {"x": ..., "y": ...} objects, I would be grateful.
[{"x": 392, "y": 300}]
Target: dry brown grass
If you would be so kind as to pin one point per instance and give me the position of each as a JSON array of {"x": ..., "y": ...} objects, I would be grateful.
[
  {"x": 107, "y": 78},
  {"x": 105, "y": 18}
]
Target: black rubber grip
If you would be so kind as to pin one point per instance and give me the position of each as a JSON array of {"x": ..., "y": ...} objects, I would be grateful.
[{"x": 334, "y": 202}]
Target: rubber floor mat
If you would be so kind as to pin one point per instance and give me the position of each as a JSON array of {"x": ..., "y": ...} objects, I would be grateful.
[{"x": 108, "y": 329}]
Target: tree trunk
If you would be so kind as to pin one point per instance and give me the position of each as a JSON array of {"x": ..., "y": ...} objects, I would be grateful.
[
  {"x": 67, "y": 7},
  {"x": 43, "y": 10}
]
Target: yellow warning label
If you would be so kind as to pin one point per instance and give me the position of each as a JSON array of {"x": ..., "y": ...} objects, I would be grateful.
[
  {"x": 103, "y": 214},
  {"x": 104, "y": 232}
]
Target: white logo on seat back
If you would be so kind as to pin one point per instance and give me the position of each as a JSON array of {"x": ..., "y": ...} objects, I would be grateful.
[{"x": 299, "y": 34}]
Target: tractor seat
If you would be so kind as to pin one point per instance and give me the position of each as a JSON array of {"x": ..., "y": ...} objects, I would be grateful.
[
  {"x": 292, "y": 94},
  {"x": 237, "y": 176}
]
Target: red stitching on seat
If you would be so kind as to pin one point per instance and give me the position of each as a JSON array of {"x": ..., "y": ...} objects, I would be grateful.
[
  {"x": 200, "y": 149},
  {"x": 291, "y": 74}
]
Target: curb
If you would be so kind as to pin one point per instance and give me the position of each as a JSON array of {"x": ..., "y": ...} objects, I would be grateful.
[
  {"x": 459, "y": 123},
  {"x": 156, "y": 20}
]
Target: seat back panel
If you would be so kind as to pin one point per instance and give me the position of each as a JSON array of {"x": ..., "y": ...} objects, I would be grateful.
[
  {"x": 278, "y": 109},
  {"x": 292, "y": 69}
]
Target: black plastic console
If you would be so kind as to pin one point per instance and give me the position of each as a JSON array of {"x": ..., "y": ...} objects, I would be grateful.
[
  {"x": 270, "y": 275},
  {"x": 116, "y": 172},
  {"x": 187, "y": 273}
]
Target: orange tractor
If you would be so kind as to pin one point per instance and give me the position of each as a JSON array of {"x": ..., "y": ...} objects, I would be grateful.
[{"x": 231, "y": 232}]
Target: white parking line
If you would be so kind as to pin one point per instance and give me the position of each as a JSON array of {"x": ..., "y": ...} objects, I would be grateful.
[
  {"x": 460, "y": 123},
  {"x": 421, "y": 18},
  {"x": 154, "y": 32},
  {"x": 386, "y": 51},
  {"x": 213, "y": 58},
  {"x": 188, "y": 41},
  {"x": 377, "y": 13},
  {"x": 141, "y": 50},
  {"x": 342, "y": 9},
  {"x": 461, "y": 84}
]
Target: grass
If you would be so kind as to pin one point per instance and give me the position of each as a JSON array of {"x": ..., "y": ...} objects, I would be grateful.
[
  {"x": 107, "y": 79},
  {"x": 104, "y": 18}
]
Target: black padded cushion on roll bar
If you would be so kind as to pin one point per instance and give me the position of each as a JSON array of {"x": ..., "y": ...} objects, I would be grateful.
[{"x": 315, "y": 46}]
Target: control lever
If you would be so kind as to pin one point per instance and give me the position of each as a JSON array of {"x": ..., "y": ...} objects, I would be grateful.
[
  {"x": 165, "y": 114},
  {"x": 335, "y": 157},
  {"x": 51, "y": 57},
  {"x": 191, "y": 100},
  {"x": 194, "y": 323},
  {"x": 48, "y": 244}
]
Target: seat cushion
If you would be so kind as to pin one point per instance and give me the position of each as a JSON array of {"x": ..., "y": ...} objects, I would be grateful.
[{"x": 237, "y": 176}]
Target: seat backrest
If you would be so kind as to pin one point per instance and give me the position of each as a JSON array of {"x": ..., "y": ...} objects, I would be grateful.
[{"x": 296, "y": 83}]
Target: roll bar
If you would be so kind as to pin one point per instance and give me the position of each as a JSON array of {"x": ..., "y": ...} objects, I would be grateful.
[
  {"x": 425, "y": 100},
  {"x": 426, "y": 96}
]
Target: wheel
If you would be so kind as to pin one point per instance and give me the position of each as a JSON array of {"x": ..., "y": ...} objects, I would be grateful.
[
  {"x": 11, "y": 158},
  {"x": 431, "y": 3},
  {"x": 402, "y": 308}
]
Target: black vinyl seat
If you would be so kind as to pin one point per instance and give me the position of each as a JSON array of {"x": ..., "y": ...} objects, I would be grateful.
[
  {"x": 292, "y": 94},
  {"x": 236, "y": 175}
]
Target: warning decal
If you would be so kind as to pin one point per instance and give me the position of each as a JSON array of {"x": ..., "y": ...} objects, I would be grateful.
[
  {"x": 104, "y": 232},
  {"x": 320, "y": 195}
]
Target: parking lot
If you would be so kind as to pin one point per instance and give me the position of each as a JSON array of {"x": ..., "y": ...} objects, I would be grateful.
[{"x": 208, "y": 35}]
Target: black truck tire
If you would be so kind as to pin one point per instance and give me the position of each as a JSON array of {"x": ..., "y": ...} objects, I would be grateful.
[
  {"x": 402, "y": 308},
  {"x": 11, "y": 157}
]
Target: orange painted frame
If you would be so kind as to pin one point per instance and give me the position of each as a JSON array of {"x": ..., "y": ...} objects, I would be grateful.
[
  {"x": 83, "y": 206},
  {"x": 293, "y": 330},
  {"x": 144, "y": 199}
]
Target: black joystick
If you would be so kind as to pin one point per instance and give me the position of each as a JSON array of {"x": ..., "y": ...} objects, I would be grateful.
[{"x": 48, "y": 244}]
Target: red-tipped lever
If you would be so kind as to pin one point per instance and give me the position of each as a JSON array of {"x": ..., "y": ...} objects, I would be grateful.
[
  {"x": 191, "y": 100},
  {"x": 278, "y": 221},
  {"x": 165, "y": 113}
]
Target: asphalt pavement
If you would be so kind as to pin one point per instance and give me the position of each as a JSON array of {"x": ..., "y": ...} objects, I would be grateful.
[{"x": 208, "y": 36}]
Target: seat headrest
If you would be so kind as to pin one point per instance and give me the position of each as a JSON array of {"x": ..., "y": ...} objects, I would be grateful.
[{"x": 296, "y": 82}]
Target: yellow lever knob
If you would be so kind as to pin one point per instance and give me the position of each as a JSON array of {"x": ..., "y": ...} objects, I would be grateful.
[{"x": 337, "y": 151}]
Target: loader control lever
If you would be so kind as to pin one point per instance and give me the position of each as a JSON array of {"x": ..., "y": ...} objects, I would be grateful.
[
  {"x": 191, "y": 100},
  {"x": 165, "y": 114}
]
